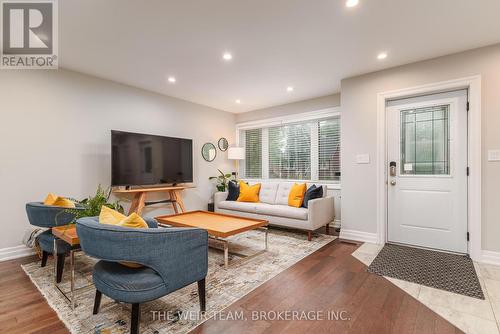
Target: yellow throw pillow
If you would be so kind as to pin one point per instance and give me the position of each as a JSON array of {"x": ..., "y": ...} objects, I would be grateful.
[
  {"x": 249, "y": 193},
  {"x": 51, "y": 198},
  {"x": 54, "y": 200},
  {"x": 296, "y": 195},
  {"x": 133, "y": 221},
  {"x": 111, "y": 217}
]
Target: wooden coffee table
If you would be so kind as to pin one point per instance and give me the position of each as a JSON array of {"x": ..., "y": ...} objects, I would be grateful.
[{"x": 219, "y": 226}]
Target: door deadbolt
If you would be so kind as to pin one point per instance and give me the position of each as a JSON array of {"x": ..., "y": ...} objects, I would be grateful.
[{"x": 392, "y": 168}]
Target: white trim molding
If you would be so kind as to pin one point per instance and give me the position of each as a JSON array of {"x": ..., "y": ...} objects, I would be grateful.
[
  {"x": 473, "y": 84},
  {"x": 15, "y": 252},
  {"x": 293, "y": 118},
  {"x": 358, "y": 236},
  {"x": 490, "y": 257}
]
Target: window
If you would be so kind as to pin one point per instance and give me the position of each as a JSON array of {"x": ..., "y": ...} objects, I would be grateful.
[
  {"x": 307, "y": 150},
  {"x": 290, "y": 152},
  {"x": 329, "y": 149},
  {"x": 424, "y": 141},
  {"x": 253, "y": 153}
]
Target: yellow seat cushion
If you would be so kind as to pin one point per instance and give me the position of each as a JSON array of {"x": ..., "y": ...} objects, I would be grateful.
[
  {"x": 54, "y": 200},
  {"x": 296, "y": 195},
  {"x": 249, "y": 193},
  {"x": 112, "y": 217}
]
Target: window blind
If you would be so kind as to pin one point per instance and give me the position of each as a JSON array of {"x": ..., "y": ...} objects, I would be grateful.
[
  {"x": 290, "y": 152},
  {"x": 253, "y": 153},
  {"x": 308, "y": 150},
  {"x": 329, "y": 149}
]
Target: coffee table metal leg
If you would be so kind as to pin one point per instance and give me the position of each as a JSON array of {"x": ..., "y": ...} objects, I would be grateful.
[
  {"x": 54, "y": 256},
  {"x": 72, "y": 266},
  {"x": 226, "y": 253},
  {"x": 267, "y": 231}
]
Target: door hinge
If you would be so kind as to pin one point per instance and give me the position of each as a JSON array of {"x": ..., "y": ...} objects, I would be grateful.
[
  {"x": 468, "y": 236},
  {"x": 468, "y": 171},
  {"x": 468, "y": 105}
]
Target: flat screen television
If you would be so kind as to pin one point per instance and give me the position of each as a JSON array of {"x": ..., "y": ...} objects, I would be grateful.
[{"x": 142, "y": 159}]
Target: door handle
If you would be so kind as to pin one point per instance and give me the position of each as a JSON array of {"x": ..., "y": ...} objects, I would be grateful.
[{"x": 393, "y": 182}]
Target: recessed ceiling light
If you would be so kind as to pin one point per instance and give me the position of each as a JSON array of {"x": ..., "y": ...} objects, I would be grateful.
[
  {"x": 227, "y": 56},
  {"x": 382, "y": 56},
  {"x": 289, "y": 89},
  {"x": 351, "y": 3},
  {"x": 171, "y": 79},
  {"x": 238, "y": 101}
]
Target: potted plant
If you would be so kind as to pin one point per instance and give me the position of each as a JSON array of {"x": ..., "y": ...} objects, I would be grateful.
[
  {"x": 91, "y": 206},
  {"x": 221, "y": 180}
]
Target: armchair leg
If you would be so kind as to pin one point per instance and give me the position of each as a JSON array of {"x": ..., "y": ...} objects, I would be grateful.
[
  {"x": 309, "y": 235},
  {"x": 45, "y": 256},
  {"x": 97, "y": 301},
  {"x": 327, "y": 228},
  {"x": 60, "y": 267},
  {"x": 202, "y": 295},
  {"x": 135, "y": 319}
]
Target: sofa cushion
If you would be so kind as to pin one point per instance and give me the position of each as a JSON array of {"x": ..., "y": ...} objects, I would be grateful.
[
  {"x": 312, "y": 193},
  {"x": 296, "y": 195},
  {"x": 249, "y": 193},
  {"x": 238, "y": 206},
  {"x": 233, "y": 188},
  {"x": 268, "y": 192},
  {"x": 280, "y": 210},
  {"x": 283, "y": 192}
]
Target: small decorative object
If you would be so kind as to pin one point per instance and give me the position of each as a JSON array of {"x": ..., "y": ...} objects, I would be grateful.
[
  {"x": 93, "y": 204},
  {"x": 223, "y": 144},
  {"x": 222, "y": 180},
  {"x": 208, "y": 152}
]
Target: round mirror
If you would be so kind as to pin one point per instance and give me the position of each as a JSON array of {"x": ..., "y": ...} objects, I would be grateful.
[
  {"x": 208, "y": 152},
  {"x": 223, "y": 144}
]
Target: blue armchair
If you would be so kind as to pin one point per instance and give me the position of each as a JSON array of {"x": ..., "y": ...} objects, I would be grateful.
[
  {"x": 48, "y": 216},
  {"x": 172, "y": 258}
]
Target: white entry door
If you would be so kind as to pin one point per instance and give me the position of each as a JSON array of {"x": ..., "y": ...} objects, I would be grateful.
[{"x": 427, "y": 184}]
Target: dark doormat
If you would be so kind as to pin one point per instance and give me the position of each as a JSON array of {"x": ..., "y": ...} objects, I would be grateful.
[{"x": 450, "y": 272}]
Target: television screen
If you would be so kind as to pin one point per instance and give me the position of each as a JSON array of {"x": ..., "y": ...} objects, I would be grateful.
[{"x": 141, "y": 159}]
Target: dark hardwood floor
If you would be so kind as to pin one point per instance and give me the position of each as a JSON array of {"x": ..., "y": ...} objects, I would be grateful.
[
  {"x": 22, "y": 308},
  {"x": 332, "y": 280},
  {"x": 328, "y": 280}
]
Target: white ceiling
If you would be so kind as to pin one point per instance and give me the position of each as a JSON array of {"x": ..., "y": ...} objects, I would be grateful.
[{"x": 308, "y": 44}]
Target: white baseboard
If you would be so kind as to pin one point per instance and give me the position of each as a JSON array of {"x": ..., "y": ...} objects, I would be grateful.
[
  {"x": 336, "y": 223},
  {"x": 358, "y": 236},
  {"x": 490, "y": 257},
  {"x": 15, "y": 252}
]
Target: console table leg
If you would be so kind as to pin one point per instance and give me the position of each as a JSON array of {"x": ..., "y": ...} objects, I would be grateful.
[
  {"x": 173, "y": 199},
  {"x": 179, "y": 200},
  {"x": 138, "y": 203}
]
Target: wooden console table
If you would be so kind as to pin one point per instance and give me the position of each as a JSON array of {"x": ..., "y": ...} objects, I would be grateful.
[{"x": 139, "y": 200}]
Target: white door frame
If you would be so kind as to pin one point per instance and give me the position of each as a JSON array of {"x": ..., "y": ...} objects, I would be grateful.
[{"x": 473, "y": 84}]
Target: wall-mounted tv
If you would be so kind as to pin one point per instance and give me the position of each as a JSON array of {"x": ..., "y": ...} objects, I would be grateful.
[{"x": 142, "y": 159}]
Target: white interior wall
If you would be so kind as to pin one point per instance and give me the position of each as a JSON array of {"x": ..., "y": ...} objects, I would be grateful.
[
  {"x": 55, "y": 137},
  {"x": 359, "y": 134}
]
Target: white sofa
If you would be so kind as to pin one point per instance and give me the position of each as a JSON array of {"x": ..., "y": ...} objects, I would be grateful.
[{"x": 273, "y": 206}]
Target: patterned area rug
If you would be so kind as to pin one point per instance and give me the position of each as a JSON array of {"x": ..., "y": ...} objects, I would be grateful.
[
  {"x": 178, "y": 312},
  {"x": 450, "y": 272}
]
